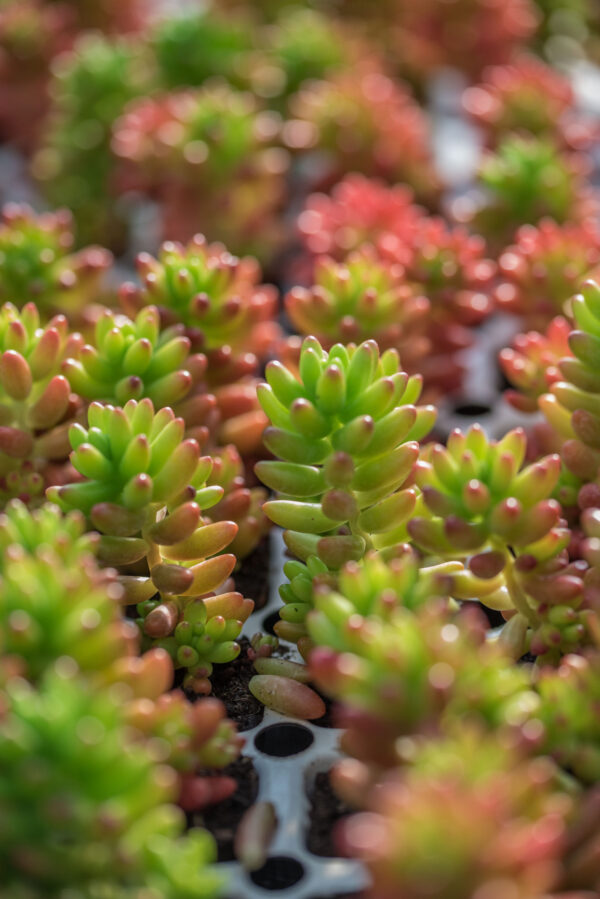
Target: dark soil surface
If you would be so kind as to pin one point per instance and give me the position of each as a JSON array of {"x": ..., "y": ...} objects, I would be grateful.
[
  {"x": 326, "y": 809},
  {"x": 222, "y": 819},
  {"x": 230, "y": 685},
  {"x": 252, "y": 578}
]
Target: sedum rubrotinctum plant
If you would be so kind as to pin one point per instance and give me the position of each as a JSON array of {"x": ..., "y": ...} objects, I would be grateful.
[
  {"x": 344, "y": 434},
  {"x": 86, "y": 808},
  {"x": 486, "y": 508},
  {"x": 37, "y": 262},
  {"x": 144, "y": 489},
  {"x": 36, "y": 402}
]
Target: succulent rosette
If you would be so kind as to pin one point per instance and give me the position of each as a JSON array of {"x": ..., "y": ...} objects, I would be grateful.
[
  {"x": 36, "y": 402},
  {"x": 212, "y": 159},
  {"x": 361, "y": 120},
  {"x": 545, "y": 266},
  {"x": 362, "y": 298},
  {"x": 145, "y": 490},
  {"x": 524, "y": 181},
  {"x": 358, "y": 210},
  {"x": 469, "y": 818},
  {"x": 227, "y": 314},
  {"x": 531, "y": 363},
  {"x": 470, "y": 35},
  {"x": 135, "y": 359},
  {"x": 37, "y": 262},
  {"x": 571, "y": 407},
  {"x": 487, "y": 508},
  {"x": 568, "y": 713},
  {"x": 81, "y": 827},
  {"x": 240, "y": 503},
  {"x": 32, "y": 33},
  {"x": 75, "y": 166},
  {"x": 529, "y": 97},
  {"x": 344, "y": 436},
  {"x": 441, "y": 665},
  {"x": 203, "y": 43}
]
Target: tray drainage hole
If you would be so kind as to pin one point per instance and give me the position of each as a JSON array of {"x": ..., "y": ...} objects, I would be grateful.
[
  {"x": 269, "y": 622},
  {"x": 282, "y": 740},
  {"x": 279, "y": 873},
  {"x": 472, "y": 410}
]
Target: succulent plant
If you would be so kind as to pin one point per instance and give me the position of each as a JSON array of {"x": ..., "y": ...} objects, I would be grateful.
[
  {"x": 109, "y": 15},
  {"x": 568, "y": 713},
  {"x": 362, "y": 298},
  {"x": 361, "y": 120},
  {"x": 468, "y": 819},
  {"x": 32, "y": 33},
  {"x": 35, "y": 400},
  {"x": 344, "y": 436},
  {"x": 218, "y": 298},
  {"x": 571, "y": 407},
  {"x": 85, "y": 806},
  {"x": 468, "y": 35},
  {"x": 486, "y": 507},
  {"x": 531, "y": 363},
  {"x": 358, "y": 210},
  {"x": 145, "y": 491},
  {"x": 240, "y": 503},
  {"x": 203, "y": 43},
  {"x": 529, "y": 97},
  {"x": 545, "y": 266},
  {"x": 392, "y": 648},
  {"x": 135, "y": 359},
  {"x": 211, "y": 158},
  {"x": 37, "y": 262},
  {"x": 75, "y": 166},
  {"x": 525, "y": 181}
]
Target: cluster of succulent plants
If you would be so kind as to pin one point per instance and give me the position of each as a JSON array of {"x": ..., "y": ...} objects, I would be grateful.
[{"x": 442, "y": 587}]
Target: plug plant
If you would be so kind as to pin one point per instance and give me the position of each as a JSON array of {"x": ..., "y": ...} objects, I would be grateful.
[
  {"x": 529, "y": 97},
  {"x": 392, "y": 647},
  {"x": 75, "y": 165},
  {"x": 344, "y": 434},
  {"x": 212, "y": 159},
  {"x": 545, "y": 267},
  {"x": 469, "y": 818},
  {"x": 363, "y": 121},
  {"x": 524, "y": 181},
  {"x": 37, "y": 263},
  {"x": 35, "y": 401},
  {"x": 531, "y": 363},
  {"x": 356, "y": 211},
  {"x": 144, "y": 489},
  {"x": 485, "y": 507},
  {"x": 79, "y": 826}
]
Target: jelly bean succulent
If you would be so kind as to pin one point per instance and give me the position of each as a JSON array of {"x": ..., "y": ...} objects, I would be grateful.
[
  {"x": 400, "y": 657},
  {"x": 145, "y": 491},
  {"x": 469, "y": 35},
  {"x": 362, "y": 298},
  {"x": 361, "y": 120},
  {"x": 344, "y": 436},
  {"x": 358, "y": 210},
  {"x": 529, "y": 97},
  {"x": 85, "y": 806},
  {"x": 571, "y": 407},
  {"x": 35, "y": 400},
  {"x": 485, "y": 507},
  {"x": 203, "y": 43},
  {"x": 32, "y": 32},
  {"x": 211, "y": 158},
  {"x": 545, "y": 266},
  {"x": 37, "y": 262},
  {"x": 469, "y": 818},
  {"x": 75, "y": 166},
  {"x": 531, "y": 363},
  {"x": 525, "y": 181},
  {"x": 135, "y": 359}
]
